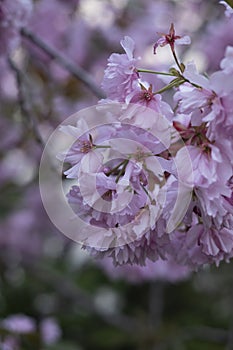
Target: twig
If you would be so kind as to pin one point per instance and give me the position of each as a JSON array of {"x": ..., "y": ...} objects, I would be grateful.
[
  {"x": 201, "y": 333},
  {"x": 73, "y": 69},
  {"x": 31, "y": 120},
  {"x": 156, "y": 303},
  {"x": 229, "y": 345},
  {"x": 66, "y": 288},
  {"x": 214, "y": 335}
]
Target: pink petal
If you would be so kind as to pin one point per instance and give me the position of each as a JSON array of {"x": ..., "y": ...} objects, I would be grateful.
[
  {"x": 128, "y": 45},
  {"x": 209, "y": 245},
  {"x": 159, "y": 42},
  {"x": 225, "y": 238}
]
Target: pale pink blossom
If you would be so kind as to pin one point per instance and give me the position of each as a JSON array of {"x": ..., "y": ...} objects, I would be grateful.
[
  {"x": 120, "y": 75},
  {"x": 19, "y": 324},
  {"x": 171, "y": 38},
  {"x": 207, "y": 163},
  {"x": 211, "y": 103},
  {"x": 145, "y": 97},
  {"x": 50, "y": 331}
]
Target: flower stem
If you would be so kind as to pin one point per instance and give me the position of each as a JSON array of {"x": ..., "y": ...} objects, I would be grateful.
[
  {"x": 177, "y": 62},
  {"x": 147, "y": 193},
  {"x": 115, "y": 168},
  {"x": 174, "y": 83},
  {"x": 122, "y": 170},
  {"x": 141, "y": 70},
  {"x": 99, "y": 146}
]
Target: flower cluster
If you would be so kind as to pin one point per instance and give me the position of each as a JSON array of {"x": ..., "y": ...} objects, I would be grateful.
[
  {"x": 156, "y": 182},
  {"x": 13, "y": 16}
]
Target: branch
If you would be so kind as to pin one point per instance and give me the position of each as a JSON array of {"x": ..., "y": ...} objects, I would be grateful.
[
  {"x": 210, "y": 334},
  {"x": 156, "y": 303},
  {"x": 31, "y": 120},
  {"x": 67, "y": 289},
  {"x": 229, "y": 345},
  {"x": 73, "y": 69}
]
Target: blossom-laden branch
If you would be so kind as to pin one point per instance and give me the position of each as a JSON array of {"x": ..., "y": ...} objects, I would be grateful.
[
  {"x": 203, "y": 132},
  {"x": 72, "y": 68}
]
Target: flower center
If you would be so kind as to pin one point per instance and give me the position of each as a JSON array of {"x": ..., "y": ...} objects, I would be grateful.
[
  {"x": 86, "y": 146},
  {"x": 148, "y": 96}
]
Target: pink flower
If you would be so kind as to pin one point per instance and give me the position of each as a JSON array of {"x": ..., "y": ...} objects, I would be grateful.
[
  {"x": 192, "y": 101},
  {"x": 207, "y": 164},
  {"x": 145, "y": 96},
  {"x": 111, "y": 204},
  {"x": 171, "y": 39},
  {"x": 201, "y": 245},
  {"x": 84, "y": 143},
  {"x": 211, "y": 103},
  {"x": 129, "y": 234},
  {"x": 216, "y": 241},
  {"x": 120, "y": 76},
  {"x": 186, "y": 250},
  {"x": 211, "y": 174},
  {"x": 151, "y": 245},
  {"x": 19, "y": 324},
  {"x": 50, "y": 331}
]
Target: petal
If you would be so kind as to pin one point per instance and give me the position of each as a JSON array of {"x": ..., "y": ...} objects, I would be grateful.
[
  {"x": 123, "y": 146},
  {"x": 160, "y": 42},
  {"x": 225, "y": 239},
  {"x": 210, "y": 246},
  {"x": 128, "y": 45},
  {"x": 192, "y": 74}
]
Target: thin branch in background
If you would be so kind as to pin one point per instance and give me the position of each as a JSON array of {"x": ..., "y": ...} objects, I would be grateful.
[
  {"x": 156, "y": 303},
  {"x": 229, "y": 345},
  {"x": 72, "y": 68},
  {"x": 31, "y": 120},
  {"x": 69, "y": 292},
  {"x": 204, "y": 333},
  {"x": 67, "y": 289},
  {"x": 184, "y": 335}
]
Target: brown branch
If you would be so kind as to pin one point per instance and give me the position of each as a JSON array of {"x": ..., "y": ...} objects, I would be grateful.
[
  {"x": 30, "y": 119},
  {"x": 205, "y": 333},
  {"x": 156, "y": 303},
  {"x": 73, "y": 69},
  {"x": 67, "y": 289}
]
